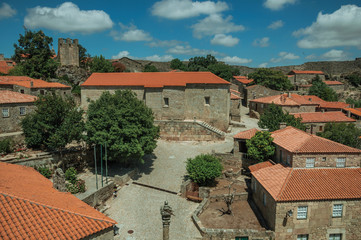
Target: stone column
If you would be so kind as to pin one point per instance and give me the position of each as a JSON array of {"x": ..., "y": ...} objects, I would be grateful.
[{"x": 166, "y": 212}]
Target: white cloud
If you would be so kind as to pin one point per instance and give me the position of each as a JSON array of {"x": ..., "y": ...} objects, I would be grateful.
[
  {"x": 235, "y": 60},
  {"x": 68, "y": 18},
  {"x": 130, "y": 34},
  {"x": 121, "y": 54},
  {"x": 6, "y": 11},
  {"x": 284, "y": 56},
  {"x": 340, "y": 28},
  {"x": 263, "y": 65},
  {"x": 215, "y": 24},
  {"x": 225, "y": 40},
  {"x": 335, "y": 55},
  {"x": 180, "y": 9},
  {"x": 310, "y": 57},
  {"x": 157, "y": 58},
  {"x": 165, "y": 43},
  {"x": 277, "y": 4},
  {"x": 261, "y": 42},
  {"x": 188, "y": 50},
  {"x": 276, "y": 25}
]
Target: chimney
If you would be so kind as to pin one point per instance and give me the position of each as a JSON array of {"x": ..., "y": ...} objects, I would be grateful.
[
  {"x": 283, "y": 125},
  {"x": 31, "y": 84},
  {"x": 289, "y": 94}
]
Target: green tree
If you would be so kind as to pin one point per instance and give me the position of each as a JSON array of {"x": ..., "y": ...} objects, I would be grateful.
[
  {"x": 178, "y": 64},
  {"x": 355, "y": 102},
  {"x": 124, "y": 123},
  {"x": 34, "y": 56},
  {"x": 347, "y": 134},
  {"x": 150, "y": 68},
  {"x": 201, "y": 63},
  {"x": 260, "y": 146},
  {"x": 354, "y": 79},
  {"x": 274, "y": 115},
  {"x": 203, "y": 169},
  {"x": 83, "y": 56},
  {"x": 320, "y": 89},
  {"x": 100, "y": 65},
  {"x": 54, "y": 123},
  {"x": 273, "y": 79},
  {"x": 224, "y": 71}
]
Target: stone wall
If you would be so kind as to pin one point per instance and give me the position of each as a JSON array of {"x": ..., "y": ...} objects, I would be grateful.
[
  {"x": 68, "y": 51},
  {"x": 235, "y": 110},
  {"x": 257, "y": 91},
  {"x": 308, "y": 77},
  {"x": 100, "y": 195},
  {"x": 260, "y": 108},
  {"x": 13, "y": 122}
]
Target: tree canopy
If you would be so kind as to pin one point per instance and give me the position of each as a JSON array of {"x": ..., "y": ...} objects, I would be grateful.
[
  {"x": 124, "y": 123},
  {"x": 150, "y": 68},
  {"x": 201, "y": 63},
  {"x": 260, "y": 146},
  {"x": 272, "y": 79},
  {"x": 274, "y": 115},
  {"x": 178, "y": 64},
  {"x": 223, "y": 70},
  {"x": 100, "y": 65},
  {"x": 356, "y": 103},
  {"x": 203, "y": 169},
  {"x": 34, "y": 56},
  {"x": 83, "y": 56},
  {"x": 320, "y": 89},
  {"x": 55, "y": 123},
  {"x": 354, "y": 79},
  {"x": 347, "y": 134}
]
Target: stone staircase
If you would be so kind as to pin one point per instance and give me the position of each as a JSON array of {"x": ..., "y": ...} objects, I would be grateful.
[{"x": 211, "y": 128}]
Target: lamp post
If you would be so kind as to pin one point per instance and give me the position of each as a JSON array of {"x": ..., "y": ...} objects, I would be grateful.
[{"x": 166, "y": 212}]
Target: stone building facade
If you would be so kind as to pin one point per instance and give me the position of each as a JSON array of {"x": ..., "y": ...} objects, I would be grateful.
[
  {"x": 171, "y": 95},
  {"x": 257, "y": 91},
  {"x": 298, "y": 77},
  {"x": 68, "y": 52},
  {"x": 235, "y": 111}
]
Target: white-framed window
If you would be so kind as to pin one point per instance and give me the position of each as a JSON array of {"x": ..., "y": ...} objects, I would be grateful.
[
  {"x": 337, "y": 236},
  {"x": 310, "y": 162},
  {"x": 337, "y": 210},
  {"x": 5, "y": 112},
  {"x": 22, "y": 111},
  {"x": 207, "y": 100},
  {"x": 302, "y": 212},
  {"x": 264, "y": 199},
  {"x": 340, "y": 162},
  {"x": 302, "y": 237},
  {"x": 166, "y": 102}
]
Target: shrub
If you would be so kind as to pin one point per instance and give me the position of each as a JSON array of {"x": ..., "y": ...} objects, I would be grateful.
[
  {"x": 77, "y": 187},
  {"x": 70, "y": 175},
  {"x": 5, "y": 146},
  {"x": 203, "y": 169},
  {"x": 45, "y": 171}
]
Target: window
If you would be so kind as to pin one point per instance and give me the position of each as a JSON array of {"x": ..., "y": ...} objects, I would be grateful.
[
  {"x": 207, "y": 100},
  {"x": 341, "y": 162},
  {"x": 5, "y": 112},
  {"x": 302, "y": 237},
  {"x": 320, "y": 129},
  {"x": 166, "y": 102},
  {"x": 22, "y": 91},
  {"x": 302, "y": 212},
  {"x": 264, "y": 199},
  {"x": 335, "y": 237},
  {"x": 262, "y": 105},
  {"x": 337, "y": 210},
  {"x": 22, "y": 111},
  {"x": 324, "y": 159},
  {"x": 310, "y": 162},
  {"x": 42, "y": 92}
]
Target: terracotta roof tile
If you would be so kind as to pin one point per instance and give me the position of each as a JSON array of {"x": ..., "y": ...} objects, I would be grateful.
[
  {"x": 234, "y": 97},
  {"x": 33, "y": 209},
  {"x": 259, "y": 166},
  {"x": 334, "y": 105},
  {"x": 355, "y": 111},
  {"x": 243, "y": 79},
  {"x": 248, "y": 134},
  {"x": 6, "y": 66},
  {"x": 286, "y": 100},
  {"x": 298, "y": 141},
  {"x": 153, "y": 79},
  {"x": 323, "y": 117},
  {"x": 25, "y": 81},
  {"x": 15, "y": 97},
  {"x": 286, "y": 184},
  {"x": 235, "y": 92},
  {"x": 333, "y": 82},
  {"x": 307, "y": 72}
]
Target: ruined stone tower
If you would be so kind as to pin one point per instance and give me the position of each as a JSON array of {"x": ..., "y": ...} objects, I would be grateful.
[{"x": 68, "y": 52}]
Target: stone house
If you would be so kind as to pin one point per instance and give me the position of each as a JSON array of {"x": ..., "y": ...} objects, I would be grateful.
[
  {"x": 36, "y": 87},
  {"x": 298, "y": 77},
  {"x": 241, "y": 138},
  {"x": 354, "y": 113},
  {"x": 34, "y": 209},
  {"x": 235, "y": 110},
  {"x": 257, "y": 91},
  {"x": 298, "y": 149},
  {"x": 335, "y": 85},
  {"x": 68, "y": 52},
  {"x": 172, "y": 96},
  {"x": 14, "y": 107},
  {"x": 241, "y": 82},
  {"x": 317, "y": 120},
  {"x": 309, "y": 203},
  {"x": 6, "y": 66}
]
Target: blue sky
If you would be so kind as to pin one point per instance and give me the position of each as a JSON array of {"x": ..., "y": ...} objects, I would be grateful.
[{"x": 254, "y": 33}]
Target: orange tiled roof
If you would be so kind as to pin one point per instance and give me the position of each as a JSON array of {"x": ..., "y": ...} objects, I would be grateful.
[
  {"x": 285, "y": 100},
  {"x": 234, "y": 91},
  {"x": 334, "y": 105},
  {"x": 323, "y": 117},
  {"x": 15, "y": 97},
  {"x": 243, "y": 79},
  {"x": 25, "y": 81},
  {"x": 33, "y": 209},
  {"x": 355, "y": 111},
  {"x": 259, "y": 166},
  {"x": 153, "y": 79},
  {"x": 287, "y": 184},
  {"x": 248, "y": 134},
  {"x": 307, "y": 72},
  {"x": 5, "y": 67},
  {"x": 298, "y": 141},
  {"x": 234, "y": 97}
]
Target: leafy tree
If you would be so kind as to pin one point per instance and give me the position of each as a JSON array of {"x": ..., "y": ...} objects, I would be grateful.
[
  {"x": 124, "y": 123},
  {"x": 83, "y": 56},
  {"x": 201, "y": 63},
  {"x": 273, "y": 79},
  {"x": 347, "y": 134},
  {"x": 33, "y": 55},
  {"x": 320, "y": 89},
  {"x": 274, "y": 115},
  {"x": 203, "y": 169},
  {"x": 354, "y": 79},
  {"x": 118, "y": 67},
  {"x": 355, "y": 102},
  {"x": 223, "y": 70},
  {"x": 55, "y": 123},
  {"x": 260, "y": 146},
  {"x": 100, "y": 65},
  {"x": 178, "y": 64},
  {"x": 150, "y": 68},
  {"x": 18, "y": 70}
]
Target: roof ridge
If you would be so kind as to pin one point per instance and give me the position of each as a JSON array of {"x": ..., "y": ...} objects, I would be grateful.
[
  {"x": 284, "y": 184},
  {"x": 55, "y": 208}
]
